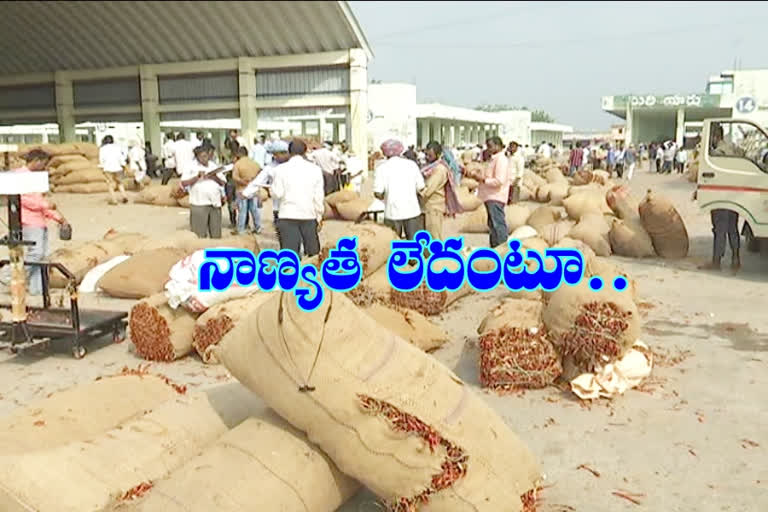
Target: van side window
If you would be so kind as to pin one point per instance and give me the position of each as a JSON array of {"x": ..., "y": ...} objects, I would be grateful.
[{"x": 739, "y": 140}]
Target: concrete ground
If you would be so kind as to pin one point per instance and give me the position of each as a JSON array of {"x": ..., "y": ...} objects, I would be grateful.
[{"x": 694, "y": 436}]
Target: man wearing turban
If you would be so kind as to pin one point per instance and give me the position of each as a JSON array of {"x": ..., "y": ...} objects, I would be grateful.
[{"x": 398, "y": 182}]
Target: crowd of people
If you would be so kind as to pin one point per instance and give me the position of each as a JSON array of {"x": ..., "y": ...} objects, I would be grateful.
[{"x": 621, "y": 159}]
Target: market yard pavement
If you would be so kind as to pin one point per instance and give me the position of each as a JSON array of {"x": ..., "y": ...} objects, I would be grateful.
[{"x": 694, "y": 438}]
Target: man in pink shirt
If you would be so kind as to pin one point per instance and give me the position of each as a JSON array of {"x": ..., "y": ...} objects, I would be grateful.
[
  {"x": 493, "y": 190},
  {"x": 35, "y": 213}
]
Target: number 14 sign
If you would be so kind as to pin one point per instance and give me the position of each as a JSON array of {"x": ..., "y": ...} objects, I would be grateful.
[{"x": 746, "y": 105}]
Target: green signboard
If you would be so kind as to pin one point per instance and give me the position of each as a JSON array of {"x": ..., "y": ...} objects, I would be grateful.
[{"x": 671, "y": 101}]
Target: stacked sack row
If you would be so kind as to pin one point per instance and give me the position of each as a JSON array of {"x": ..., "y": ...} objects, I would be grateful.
[
  {"x": 73, "y": 168},
  {"x": 590, "y": 208}
]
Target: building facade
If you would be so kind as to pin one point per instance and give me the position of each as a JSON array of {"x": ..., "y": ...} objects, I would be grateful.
[{"x": 739, "y": 94}]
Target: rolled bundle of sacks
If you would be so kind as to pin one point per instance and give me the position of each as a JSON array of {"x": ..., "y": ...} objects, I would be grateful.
[
  {"x": 665, "y": 226},
  {"x": 591, "y": 329},
  {"x": 453, "y": 451},
  {"x": 160, "y": 440},
  {"x": 268, "y": 465},
  {"x": 515, "y": 352}
]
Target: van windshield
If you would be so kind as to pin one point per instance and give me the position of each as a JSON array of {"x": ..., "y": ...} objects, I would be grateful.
[{"x": 736, "y": 139}]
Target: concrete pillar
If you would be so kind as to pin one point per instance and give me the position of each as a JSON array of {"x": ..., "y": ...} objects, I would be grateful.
[
  {"x": 424, "y": 132},
  {"x": 249, "y": 124},
  {"x": 335, "y": 123},
  {"x": 628, "y": 127},
  {"x": 437, "y": 131},
  {"x": 150, "y": 115},
  {"x": 483, "y": 134},
  {"x": 65, "y": 108},
  {"x": 449, "y": 134},
  {"x": 358, "y": 96},
  {"x": 680, "y": 127}
]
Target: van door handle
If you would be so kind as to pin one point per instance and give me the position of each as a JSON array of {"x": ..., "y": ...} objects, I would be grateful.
[{"x": 707, "y": 175}]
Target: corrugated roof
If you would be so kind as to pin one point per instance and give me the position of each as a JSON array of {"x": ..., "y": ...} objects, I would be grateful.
[{"x": 38, "y": 36}]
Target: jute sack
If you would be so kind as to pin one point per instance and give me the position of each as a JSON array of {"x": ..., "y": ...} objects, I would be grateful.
[
  {"x": 586, "y": 251},
  {"x": 158, "y": 195},
  {"x": 542, "y": 193},
  {"x": 607, "y": 270},
  {"x": 582, "y": 177},
  {"x": 328, "y": 211},
  {"x": 593, "y": 230},
  {"x": 374, "y": 242},
  {"x": 98, "y": 473},
  {"x": 176, "y": 239},
  {"x": 85, "y": 175},
  {"x": 409, "y": 325},
  {"x": 372, "y": 289},
  {"x": 141, "y": 275},
  {"x": 514, "y": 350},
  {"x": 267, "y": 466},
  {"x": 526, "y": 193},
  {"x": 82, "y": 188},
  {"x": 582, "y": 203},
  {"x": 620, "y": 200},
  {"x": 553, "y": 233},
  {"x": 352, "y": 210},
  {"x": 342, "y": 196},
  {"x": 130, "y": 243},
  {"x": 590, "y": 187},
  {"x": 80, "y": 259},
  {"x": 532, "y": 180},
  {"x": 67, "y": 168},
  {"x": 630, "y": 239},
  {"x": 477, "y": 221},
  {"x": 517, "y": 312},
  {"x": 248, "y": 242},
  {"x": 592, "y": 328},
  {"x": 219, "y": 319},
  {"x": 469, "y": 201},
  {"x": 70, "y": 415},
  {"x": 555, "y": 175},
  {"x": 183, "y": 201},
  {"x": 88, "y": 150},
  {"x": 158, "y": 332},
  {"x": 558, "y": 192},
  {"x": 601, "y": 177},
  {"x": 469, "y": 183},
  {"x": 365, "y": 379},
  {"x": 543, "y": 216},
  {"x": 57, "y": 161},
  {"x": 665, "y": 226}
]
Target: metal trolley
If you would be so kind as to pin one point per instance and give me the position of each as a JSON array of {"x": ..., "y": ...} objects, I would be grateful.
[{"x": 25, "y": 327}]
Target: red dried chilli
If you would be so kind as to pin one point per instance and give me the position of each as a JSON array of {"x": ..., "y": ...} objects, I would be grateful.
[
  {"x": 422, "y": 299},
  {"x": 137, "y": 491},
  {"x": 594, "y": 340},
  {"x": 363, "y": 296},
  {"x": 141, "y": 371},
  {"x": 529, "y": 500},
  {"x": 513, "y": 358},
  {"x": 453, "y": 467},
  {"x": 150, "y": 333},
  {"x": 211, "y": 333}
]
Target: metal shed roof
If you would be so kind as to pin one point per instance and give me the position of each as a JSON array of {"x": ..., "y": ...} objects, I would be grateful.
[{"x": 40, "y": 36}]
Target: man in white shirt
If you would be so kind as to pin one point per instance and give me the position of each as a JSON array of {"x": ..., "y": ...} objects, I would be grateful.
[
  {"x": 298, "y": 185},
  {"x": 680, "y": 159},
  {"x": 137, "y": 162},
  {"x": 169, "y": 158},
  {"x": 111, "y": 160},
  {"x": 259, "y": 152},
  {"x": 205, "y": 194},
  {"x": 354, "y": 169},
  {"x": 516, "y": 168},
  {"x": 183, "y": 152},
  {"x": 398, "y": 182},
  {"x": 545, "y": 150},
  {"x": 278, "y": 150},
  {"x": 669, "y": 157},
  {"x": 329, "y": 164}
]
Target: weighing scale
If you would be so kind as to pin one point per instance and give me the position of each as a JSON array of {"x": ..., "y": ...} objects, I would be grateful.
[{"x": 24, "y": 327}]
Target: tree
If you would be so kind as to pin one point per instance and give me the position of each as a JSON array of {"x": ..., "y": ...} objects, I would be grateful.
[{"x": 538, "y": 116}]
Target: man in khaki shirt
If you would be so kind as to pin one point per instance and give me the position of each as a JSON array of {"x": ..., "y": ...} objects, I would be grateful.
[
  {"x": 433, "y": 195},
  {"x": 244, "y": 172}
]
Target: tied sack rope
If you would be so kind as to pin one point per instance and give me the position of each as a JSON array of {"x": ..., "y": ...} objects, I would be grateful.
[{"x": 305, "y": 387}]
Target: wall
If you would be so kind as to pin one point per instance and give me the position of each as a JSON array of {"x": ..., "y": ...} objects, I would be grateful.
[
  {"x": 752, "y": 83},
  {"x": 653, "y": 126},
  {"x": 553, "y": 138},
  {"x": 516, "y": 125},
  {"x": 392, "y": 113}
]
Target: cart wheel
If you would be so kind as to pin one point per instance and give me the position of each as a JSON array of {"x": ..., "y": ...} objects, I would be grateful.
[{"x": 78, "y": 352}]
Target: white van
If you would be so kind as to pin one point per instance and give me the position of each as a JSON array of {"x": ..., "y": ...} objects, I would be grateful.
[{"x": 733, "y": 175}]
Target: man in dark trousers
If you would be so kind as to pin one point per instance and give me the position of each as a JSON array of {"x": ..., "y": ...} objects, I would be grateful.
[{"x": 299, "y": 187}]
